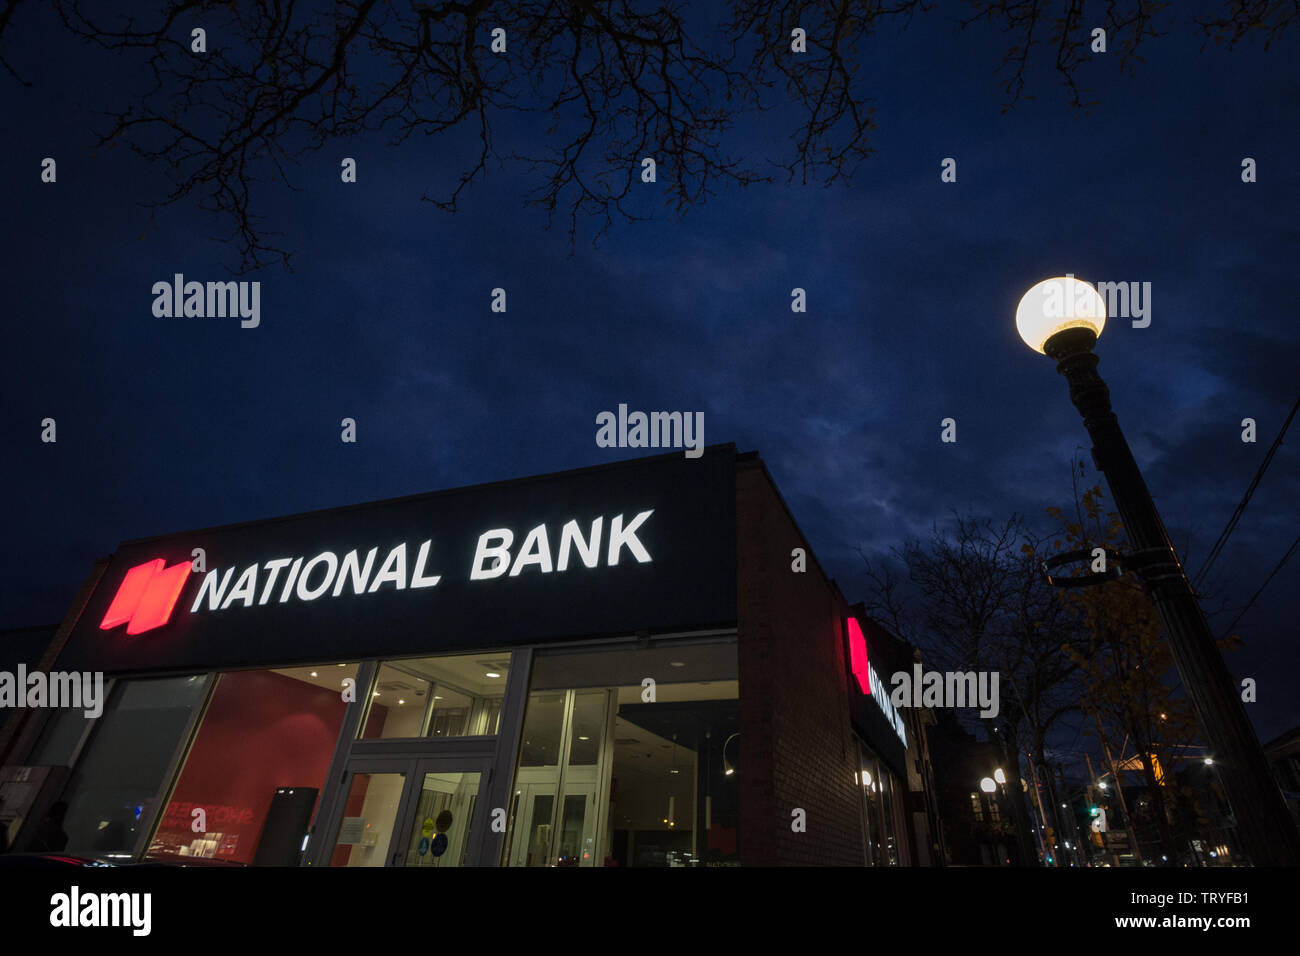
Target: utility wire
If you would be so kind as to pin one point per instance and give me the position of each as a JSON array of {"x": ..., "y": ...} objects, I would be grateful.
[
  {"x": 1236, "y": 515},
  {"x": 1286, "y": 557}
]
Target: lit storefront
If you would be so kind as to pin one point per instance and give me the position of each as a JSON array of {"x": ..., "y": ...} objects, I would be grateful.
[{"x": 616, "y": 666}]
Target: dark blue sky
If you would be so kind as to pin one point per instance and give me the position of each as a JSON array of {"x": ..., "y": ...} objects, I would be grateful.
[{"x": 165, "y": 425}]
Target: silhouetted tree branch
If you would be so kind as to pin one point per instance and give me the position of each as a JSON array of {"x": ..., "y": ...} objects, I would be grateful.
[{"x": 607, "y": 83}]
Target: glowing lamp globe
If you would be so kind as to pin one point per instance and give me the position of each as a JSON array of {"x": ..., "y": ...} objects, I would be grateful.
[
  {"x": 987, "y": 785},
  {"x": 1057, "y": 304}
]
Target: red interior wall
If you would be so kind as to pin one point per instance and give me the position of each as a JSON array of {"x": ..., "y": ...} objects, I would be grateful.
[{"x": 262, "y": 731}]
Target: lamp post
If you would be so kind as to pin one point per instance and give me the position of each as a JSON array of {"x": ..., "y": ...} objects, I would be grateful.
[
  {"x": 1061, "y": 318},
  {"x": 988, "y": 786}
]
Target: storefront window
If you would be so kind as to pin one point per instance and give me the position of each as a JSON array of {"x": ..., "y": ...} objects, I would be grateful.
[
  {"x": 121, "y": 771},
  {"x": 880, "y": 807},
  {"x": 59, "y": 738},
  {"x": 457, "y": 696},
  {"x": 629, "y": 757},
  {"x": 252, "y": 777}
]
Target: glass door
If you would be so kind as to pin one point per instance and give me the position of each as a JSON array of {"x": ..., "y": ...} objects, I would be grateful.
[
  {"x": 442, "y": 821},
  {"x": 411, "y": 811},
  {"x": 557, "y": 809},
  {"x": 376, "y": 791}
]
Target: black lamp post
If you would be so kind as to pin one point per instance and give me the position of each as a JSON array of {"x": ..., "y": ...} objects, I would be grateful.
[{"x": 1062, "y": 318}]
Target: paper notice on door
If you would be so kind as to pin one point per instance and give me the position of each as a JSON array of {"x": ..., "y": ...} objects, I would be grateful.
[{"x": 350, "y": 832}]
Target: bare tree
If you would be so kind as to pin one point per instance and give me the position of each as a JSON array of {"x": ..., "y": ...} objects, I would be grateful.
[
  {"x": 604, "y": 83},
  {"x": 974, "y": 599},
  {"x": 607, "y": 84},
  {"x": 1064, "y": 30}
]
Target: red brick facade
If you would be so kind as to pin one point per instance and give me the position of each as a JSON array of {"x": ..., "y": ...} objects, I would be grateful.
[{"x": 797, "y": 748}]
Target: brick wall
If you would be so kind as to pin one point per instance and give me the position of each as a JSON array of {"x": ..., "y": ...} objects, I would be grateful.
[{"x": 797, "y": 748}]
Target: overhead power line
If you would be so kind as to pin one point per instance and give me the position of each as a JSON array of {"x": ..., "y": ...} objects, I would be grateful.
[
  {"x": 1236, "y": 515},
  {"x": 1286, "y": 557}
]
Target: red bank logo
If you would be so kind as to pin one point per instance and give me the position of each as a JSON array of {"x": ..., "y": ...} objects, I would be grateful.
[
  {"x": 146, "y": 596},
  {"x": 858, "y": 656}
]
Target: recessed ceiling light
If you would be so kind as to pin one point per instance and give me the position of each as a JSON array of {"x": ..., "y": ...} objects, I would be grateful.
[
  {"x": 584, "y": 738},
  {"x": 676, "y": 663},
  {"x": 314, "y": 674},
  {"x": 437, "y": 697},
  {"x": 400, "y": 701},
  {"x": 376, "y": 693},
  {"x": 492, "y": 674}
]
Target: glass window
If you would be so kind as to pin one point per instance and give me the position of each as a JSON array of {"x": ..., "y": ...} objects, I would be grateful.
[
  {"x": 615, "y": 770},
  {"x": 880, "y": 802},
  {"x": 59, "y": 738},
  {"x": 255, "y": 768},
  {"x": 456, "y": 696},
  {"x": 121, "y": 771}
]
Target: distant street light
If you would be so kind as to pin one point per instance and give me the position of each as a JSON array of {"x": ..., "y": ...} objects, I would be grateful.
[{"x": 1061, "y": 318}]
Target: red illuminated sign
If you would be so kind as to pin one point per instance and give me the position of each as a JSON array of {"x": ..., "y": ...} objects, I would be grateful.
[
  {"x": 146, "y": 597},
  {"x": 858, "y": 656},
  {"x": 869, "y": 681}
]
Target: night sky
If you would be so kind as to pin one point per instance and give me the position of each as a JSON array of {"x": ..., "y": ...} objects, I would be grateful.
[{"x": 171, "y": 424}]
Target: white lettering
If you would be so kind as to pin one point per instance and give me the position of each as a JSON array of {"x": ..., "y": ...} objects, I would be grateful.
[{"x": 620, "y": 536}]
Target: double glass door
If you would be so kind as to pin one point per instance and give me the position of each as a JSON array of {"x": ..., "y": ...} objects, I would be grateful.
[
  {"x": 412, "y": 812},
  {"x": 559, "y": 805}
]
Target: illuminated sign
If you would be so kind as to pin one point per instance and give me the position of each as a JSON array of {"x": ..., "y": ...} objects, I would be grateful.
[
  {"x": 302, "y": 581},
  {"x": 146, "y": 596},
  {"x": 647, "y": 545},
  {"x": 869, "y": 681}
]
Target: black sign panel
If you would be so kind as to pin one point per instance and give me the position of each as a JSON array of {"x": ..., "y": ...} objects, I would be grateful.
[
  {"x": 646, "y": 545},
  {"x": 867, "y": 714}
]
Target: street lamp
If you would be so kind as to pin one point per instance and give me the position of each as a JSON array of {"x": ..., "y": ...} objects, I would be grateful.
[
  {"x": 1061, "y": 318},
  {"x": 999, "y": 776},
  {"x": 987, "y": 785}
]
